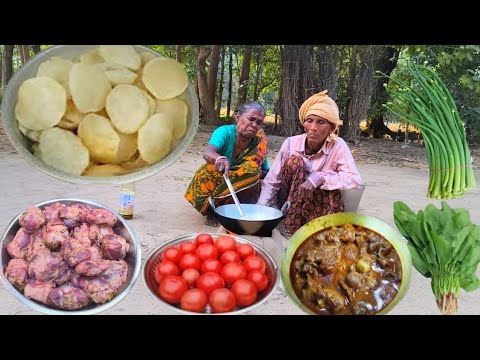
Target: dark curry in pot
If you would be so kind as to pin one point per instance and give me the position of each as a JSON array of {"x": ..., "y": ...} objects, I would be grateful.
[{"x": 346, "y": 270}]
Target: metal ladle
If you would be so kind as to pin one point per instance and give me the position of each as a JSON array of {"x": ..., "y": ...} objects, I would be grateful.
[{"x": 234, "y": 195}]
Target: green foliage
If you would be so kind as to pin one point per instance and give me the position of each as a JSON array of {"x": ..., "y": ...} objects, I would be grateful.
[
  {"x": 268, "y": 100},
  {"x": 269, "y": 78},
  {"x": 165, "y": 50},
  {"x": 343, "y": 53},
  {"x": 459, "y": 68},
  {"x": 400, "y": 74}
]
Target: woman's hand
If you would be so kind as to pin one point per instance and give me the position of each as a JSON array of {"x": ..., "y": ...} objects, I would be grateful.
[
  {"x": 306, "y": 189},
  {"x": 222, "y": 165}
]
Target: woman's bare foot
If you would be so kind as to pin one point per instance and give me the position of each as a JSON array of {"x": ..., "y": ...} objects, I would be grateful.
[
  {"x": 211, "y": 220},
  {"x": 283, "y": 231}
]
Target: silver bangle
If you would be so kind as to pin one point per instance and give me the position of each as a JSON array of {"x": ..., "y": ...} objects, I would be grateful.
[{"x": 220, "y": 157}]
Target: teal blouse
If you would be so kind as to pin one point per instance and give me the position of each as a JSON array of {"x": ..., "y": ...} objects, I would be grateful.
[{"x": 223, "y": 138}]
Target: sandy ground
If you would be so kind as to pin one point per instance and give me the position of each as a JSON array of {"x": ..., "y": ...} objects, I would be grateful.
[{"x": 161, "y": 213}]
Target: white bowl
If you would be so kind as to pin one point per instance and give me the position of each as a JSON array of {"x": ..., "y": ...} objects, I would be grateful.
[{"x": 23, "y": 145}]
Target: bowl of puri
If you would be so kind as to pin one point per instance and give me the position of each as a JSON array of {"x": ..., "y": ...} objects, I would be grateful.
[
  {"x": 69, "y": 257},
  {"x": 100, "y": 113},
  {"x": 346, "y": 264},
  {"x": 210, "y": 274}
]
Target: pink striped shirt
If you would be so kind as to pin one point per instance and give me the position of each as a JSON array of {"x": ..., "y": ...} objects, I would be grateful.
[{"x": 333, "y": 165}]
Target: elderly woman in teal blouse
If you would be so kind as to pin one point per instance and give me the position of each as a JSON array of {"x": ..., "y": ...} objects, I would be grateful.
[{"x": 240, "y": 152}]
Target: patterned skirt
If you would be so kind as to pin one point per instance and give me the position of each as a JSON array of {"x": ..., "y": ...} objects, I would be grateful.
[
  {"x": 244, "y": 176},
  {"x": 323, "y": 202},
  {"x": 208, "y": 182}
]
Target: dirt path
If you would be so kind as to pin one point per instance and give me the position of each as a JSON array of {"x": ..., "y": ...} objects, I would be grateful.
[{"x": 162, "y": 213}]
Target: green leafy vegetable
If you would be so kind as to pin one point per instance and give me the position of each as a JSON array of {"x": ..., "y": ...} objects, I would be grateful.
[{"x": 445, "y": 246}]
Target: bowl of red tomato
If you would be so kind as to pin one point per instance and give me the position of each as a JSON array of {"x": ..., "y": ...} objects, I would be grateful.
[{"x": 210, "y": 274}]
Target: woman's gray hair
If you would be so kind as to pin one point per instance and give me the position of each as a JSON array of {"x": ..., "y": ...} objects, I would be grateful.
[{"x": 250, "y": 105}]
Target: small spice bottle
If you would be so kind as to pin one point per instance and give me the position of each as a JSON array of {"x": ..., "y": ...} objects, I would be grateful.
[{"x": 127, "y": 200}]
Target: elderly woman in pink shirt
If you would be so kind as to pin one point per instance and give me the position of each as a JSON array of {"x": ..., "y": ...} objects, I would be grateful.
[{"x": 312, "y": 168}]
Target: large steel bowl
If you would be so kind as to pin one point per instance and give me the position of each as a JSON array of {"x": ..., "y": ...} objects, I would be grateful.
[
  {"x": 339, "y": 219},
  {"x": 23, "y": 145},
  {"x": 272, "y": 272},
  {"x": 133, "y": 260},
  {"x": 257, "y": 220}
]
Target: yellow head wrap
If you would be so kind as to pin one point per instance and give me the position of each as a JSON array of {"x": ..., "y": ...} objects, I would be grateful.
[{"x": 321, "y": 105}]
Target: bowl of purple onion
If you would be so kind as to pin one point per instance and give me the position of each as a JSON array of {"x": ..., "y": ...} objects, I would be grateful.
[{"x": 69, "y": 256}]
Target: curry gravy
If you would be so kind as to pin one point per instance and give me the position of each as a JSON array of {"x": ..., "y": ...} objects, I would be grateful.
[{"x": 346, "y": 269}]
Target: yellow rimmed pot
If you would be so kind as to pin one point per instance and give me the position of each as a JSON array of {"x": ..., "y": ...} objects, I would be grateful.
[{"x": 339, "y": 219}]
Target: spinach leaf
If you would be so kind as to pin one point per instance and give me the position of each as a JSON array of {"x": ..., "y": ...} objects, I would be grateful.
[{"x": 445, "y": 246}]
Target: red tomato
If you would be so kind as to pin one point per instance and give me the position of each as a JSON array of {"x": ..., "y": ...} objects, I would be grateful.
[
  {"x": 203, "y": 239},
  {"x": 258, "y": 279},
  {"x": 245, "y": 250},
  {"x": 191, "y": 276},
  {"x": 206, "y": 251},
  {"x": 188, "y": 247},
  {"x": 165, "y": 268},
  {"x": 209, "y": 282},
  {"x": 232, "y": 272},
  {"x": 225, "y": 243},
  {"x": 222, "y": 300},
  {"x": 172, "y": 254},
  {"x": 189, "y": 261},
  {"x": 254, "y": 263},
  {"x": 245, "y": 292},
  {"x": 229, "y": 257},
  {"x": 194, "y": 300},
  {"x": 211, "y": 265},
  {"x": 172, "y": 288}
]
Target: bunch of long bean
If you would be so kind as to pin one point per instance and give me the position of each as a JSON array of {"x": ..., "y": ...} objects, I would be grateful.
[{"x": 429, "y": 106}]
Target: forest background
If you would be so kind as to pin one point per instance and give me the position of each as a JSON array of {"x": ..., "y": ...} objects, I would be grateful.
[{"x": 281, "y": 77}]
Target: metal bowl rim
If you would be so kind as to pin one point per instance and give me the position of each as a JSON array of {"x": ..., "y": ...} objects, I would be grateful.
[
  {"x": 247, "y": 220},
  {"x": 138, "y": 175},
  {"x": 49, "y": 311},
  {"x": 158, "y": 249}
]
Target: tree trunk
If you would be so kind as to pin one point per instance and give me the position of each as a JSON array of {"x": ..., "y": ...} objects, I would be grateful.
[
  {"x": 230, "y": 80},
  {"x": 7, "y": 65},
  {"x": 179, "y": 53},
  {"x": 298, "y": 83},
  {"x": 24, "y": 52},
  {"x": 279, "y": 101},
  {"x": 244, "y": 76},
  {"x": 327, "y": 77},
  {"x": 376, "y": 127},
  {"x": 36, "y": 49},
  {"x": 195, "y": 85},
  {"x": 276, "y": 118},
  {"x": 363, "y": 87},
  {"x": 220, "y": 90},
  {"x": 1, "y": 62},
  {"x": 344, "y": 130},
  {"x": 309, "y": 84},
  {"x": 419, "y": 138},
  {"x": 406, "y": 133},
  {"x": 258, "y": 72},
  {"x": 213, "y": 71},
  {"x": 208, "y": 114}
]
